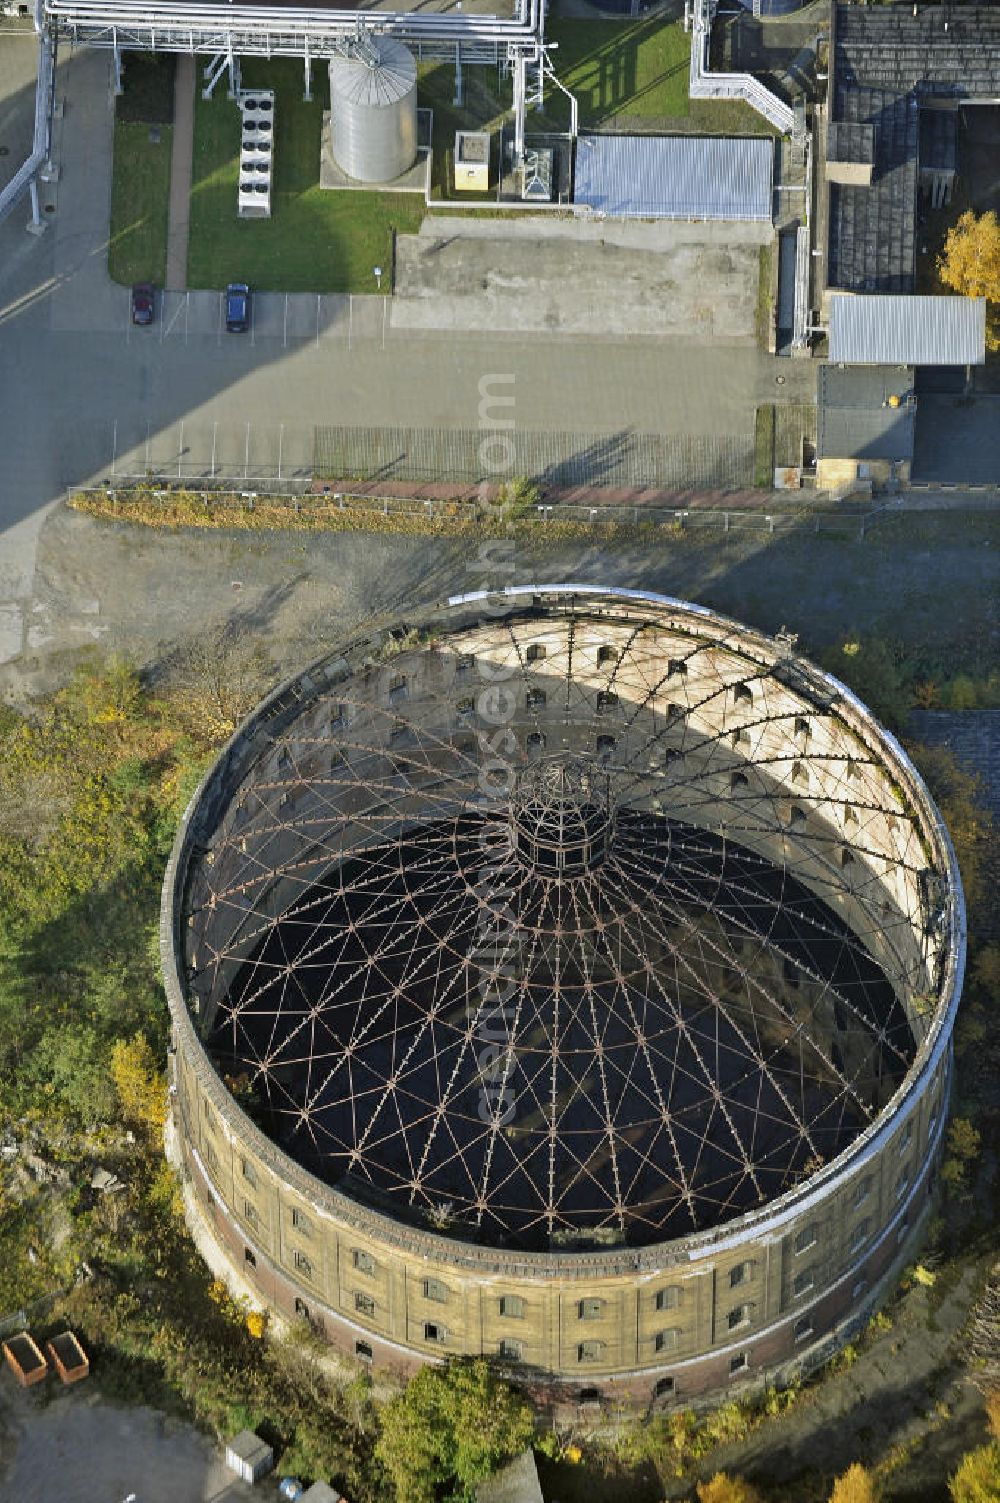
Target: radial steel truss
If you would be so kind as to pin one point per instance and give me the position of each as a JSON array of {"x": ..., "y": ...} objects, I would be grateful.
[{"x": 529, "y": 976}]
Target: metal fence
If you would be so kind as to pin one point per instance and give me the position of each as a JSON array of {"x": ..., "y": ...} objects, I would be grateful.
[
  {"x": 747, "y": 519},
  {"x": 36, "y": 1310},
  {"x": 555, "y": 461}
]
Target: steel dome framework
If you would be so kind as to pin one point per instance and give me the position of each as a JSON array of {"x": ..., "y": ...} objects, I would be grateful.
[{"x": 580, "y": 923}]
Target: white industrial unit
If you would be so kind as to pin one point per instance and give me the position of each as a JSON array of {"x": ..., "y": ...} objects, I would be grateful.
[
  {"x": 249, "y": 1457},
  {"x": 256, "y": 153},
  {"x": 472, "y": 161},
  {"x": 373, "y": 110}
]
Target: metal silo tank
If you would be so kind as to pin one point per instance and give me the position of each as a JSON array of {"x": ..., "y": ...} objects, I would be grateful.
[{"x": 373, "y": 111}]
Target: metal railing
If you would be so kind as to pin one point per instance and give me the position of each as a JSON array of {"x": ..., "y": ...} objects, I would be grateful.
[
  {"x": 800, "y": 315},
  {"x": 552, "y": 459},
  {"x": 760, "y": 517},
  {"x": 704, "y": 84},
  {"x": 263, "y": 30}
]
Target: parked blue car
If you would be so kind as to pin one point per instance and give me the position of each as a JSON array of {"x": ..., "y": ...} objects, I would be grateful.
[{"x": 237, "y": 308}]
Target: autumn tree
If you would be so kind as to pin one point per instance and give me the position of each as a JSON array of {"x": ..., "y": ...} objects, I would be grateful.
[
  {"x": 856, "y": 1485},
  {"x": 723, "y": 1488},
  {"x": 984, "y": 1348},
  {"x": 214, "y": 680},
  {"x": 873, "y": 669},
  {"x": 978, "y": 1477},
  {"x": 970, "y": 264},
  {"x": 141, "y": 1088},
  {"x": 963, "y": 1150},
  {"x": 88, "y": 786},
  {"x": 452, "y": 1427},
  {"x": 992, "y": 1401},
  {"x": 958, "y": 795}
]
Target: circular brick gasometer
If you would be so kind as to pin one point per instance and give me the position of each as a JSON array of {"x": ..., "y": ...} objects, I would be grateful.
[{"x": 566, "y": 975}]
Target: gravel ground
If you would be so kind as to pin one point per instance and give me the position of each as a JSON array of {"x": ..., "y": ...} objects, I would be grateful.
[
  {"x": 77, "y": 1448},
  {"x": 104, "y": 586}
]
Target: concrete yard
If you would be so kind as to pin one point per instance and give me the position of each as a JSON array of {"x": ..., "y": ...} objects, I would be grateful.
[
  {"x": 562, "y": 275},
  {"x": 95, "y": 397},
  {"x": 79, "y": 1448}
]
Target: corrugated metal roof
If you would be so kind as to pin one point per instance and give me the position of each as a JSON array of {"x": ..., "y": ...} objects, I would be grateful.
[
  {"x": 675, "y": 177},
  {"x": 887, "y": 330}
]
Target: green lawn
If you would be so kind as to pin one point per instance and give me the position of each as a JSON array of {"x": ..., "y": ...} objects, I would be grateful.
[
  {"x": 315, "y": 240},
  {"x": 137, "y": 248},
  {"x": 483, "y": 109},
  {"x": 148, "y": 96},
  {"x": 621, "y": 69},
  {"x": 636, "y": 71}
]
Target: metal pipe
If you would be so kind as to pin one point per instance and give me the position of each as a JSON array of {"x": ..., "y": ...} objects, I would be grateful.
[
  {"x": 24, "y": 178},
  {"x": 248, "y": 27}
]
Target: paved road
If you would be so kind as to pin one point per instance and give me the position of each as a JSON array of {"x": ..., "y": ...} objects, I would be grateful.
[
  {"x": 85, "y": 392},
  {"x": 181, "y": 166}
]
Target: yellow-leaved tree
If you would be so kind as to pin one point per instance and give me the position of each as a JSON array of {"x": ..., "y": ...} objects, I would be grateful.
[
  {"x": 856, "y": 1485},
  {"x": 723, "y": 1488},
  {"x": 141, "y": 1088},
  {"x": 970, "y": 263},
  {"x": 978, "y": 1477}
]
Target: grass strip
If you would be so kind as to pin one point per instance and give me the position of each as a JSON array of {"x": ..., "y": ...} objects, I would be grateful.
[
  {"x": 637, "y": 71},
  {"x": 137, "y": 247},
  {"x": 763, "y": 447}
]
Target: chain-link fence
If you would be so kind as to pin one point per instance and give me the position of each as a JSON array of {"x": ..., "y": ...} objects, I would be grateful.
[
  {"x": 289, "y": 456},
  {"x": 554, "y": 461}
]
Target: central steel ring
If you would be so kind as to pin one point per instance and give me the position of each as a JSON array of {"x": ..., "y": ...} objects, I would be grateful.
[{"x": 562, "y": 816}]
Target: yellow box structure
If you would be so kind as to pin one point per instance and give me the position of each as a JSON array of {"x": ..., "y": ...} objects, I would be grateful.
[{"x": 472, "y": 161}]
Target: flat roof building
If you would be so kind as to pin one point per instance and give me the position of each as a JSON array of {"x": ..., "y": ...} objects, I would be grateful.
[
  {"x": 675, "y": 177},
  {"x": 886, "y": 330},
  {"x": 865, "y": 425}
]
